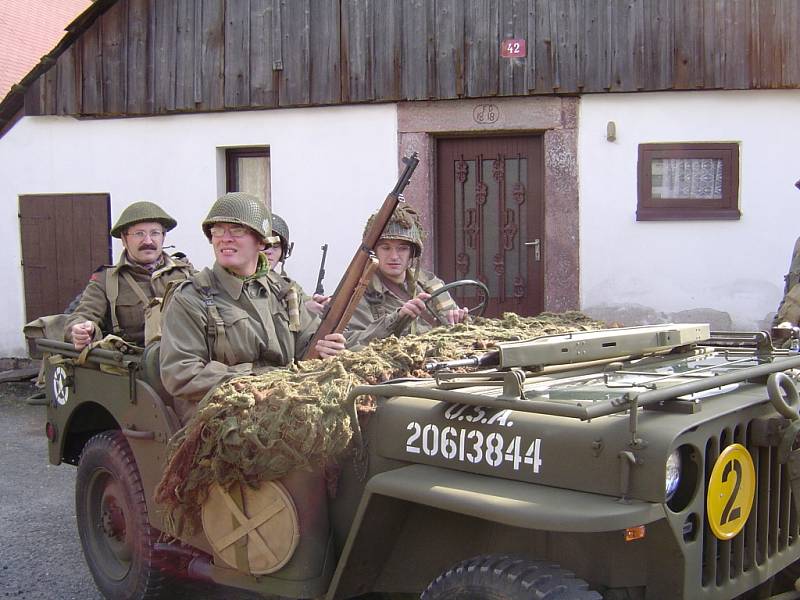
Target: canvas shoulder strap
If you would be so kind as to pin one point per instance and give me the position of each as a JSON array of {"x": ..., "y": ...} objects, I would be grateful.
[
  {"x": 112, "y": 293},
  {"x": 218, "y": 344}
]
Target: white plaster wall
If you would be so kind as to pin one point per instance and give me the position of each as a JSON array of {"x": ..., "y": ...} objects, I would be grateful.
[
  {"x": 732, "y": 266},
  {"x": 331, "y": 167}
]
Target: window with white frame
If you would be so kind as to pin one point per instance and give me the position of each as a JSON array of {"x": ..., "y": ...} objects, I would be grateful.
[{"x": 248, "y": 170}]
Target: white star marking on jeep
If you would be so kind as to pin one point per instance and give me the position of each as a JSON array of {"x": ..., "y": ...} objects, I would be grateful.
[{"x": 60, "y": 388}]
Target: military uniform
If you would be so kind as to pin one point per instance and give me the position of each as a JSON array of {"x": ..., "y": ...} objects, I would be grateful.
[
  {"x": 95, "y": 304},
  {"x": 378, "y": 313},
  {"x": 301, "y": 293},
  {"x": 262, "y": 327},
  {"x": 789, "y": 309}
]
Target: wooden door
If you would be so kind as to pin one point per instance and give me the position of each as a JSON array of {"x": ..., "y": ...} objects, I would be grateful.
[
  {"x": 489, "y": 219},
  {"x": 64, "y": 239}
]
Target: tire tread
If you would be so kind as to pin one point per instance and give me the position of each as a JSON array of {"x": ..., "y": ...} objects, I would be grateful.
[{"x": 513, "y": 577}]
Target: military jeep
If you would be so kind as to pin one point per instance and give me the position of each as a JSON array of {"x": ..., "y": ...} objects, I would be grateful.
[{"x": 636, "y": 463}]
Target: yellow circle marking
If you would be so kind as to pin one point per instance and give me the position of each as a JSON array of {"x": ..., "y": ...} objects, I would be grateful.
[{"x": 731, "y": 489}]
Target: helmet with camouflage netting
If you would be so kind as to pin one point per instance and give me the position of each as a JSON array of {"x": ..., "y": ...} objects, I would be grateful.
[
  {"x": 404, "y": 225},
  {"x": 142, "y": 212},
  {"x": 281, "y": 229},
  {"x": 243, "y": 209}
]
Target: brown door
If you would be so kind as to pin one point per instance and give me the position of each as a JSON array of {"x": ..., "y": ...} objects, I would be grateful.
[
  {"x": 64, "y": 239},
  {"x": 489, "y": 219}
]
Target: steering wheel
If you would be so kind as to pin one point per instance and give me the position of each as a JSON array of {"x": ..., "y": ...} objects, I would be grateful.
[{"x": 476, "y": 310}]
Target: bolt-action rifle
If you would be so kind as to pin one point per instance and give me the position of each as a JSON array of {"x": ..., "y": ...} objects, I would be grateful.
[
  {"x": 320, "y": 289},
  {"x": 362, "y": 266}
]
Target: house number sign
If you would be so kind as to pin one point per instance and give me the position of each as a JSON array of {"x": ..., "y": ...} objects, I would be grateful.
[
  {"x": 513, "y": 48},
  {"x": 485, "y": 113}
]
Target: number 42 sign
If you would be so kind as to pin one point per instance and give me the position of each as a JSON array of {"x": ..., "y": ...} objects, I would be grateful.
[{"x": 513, "y": 48}]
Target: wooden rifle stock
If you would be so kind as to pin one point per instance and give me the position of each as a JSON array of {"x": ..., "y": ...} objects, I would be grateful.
[{"x": 362, "y": 266}]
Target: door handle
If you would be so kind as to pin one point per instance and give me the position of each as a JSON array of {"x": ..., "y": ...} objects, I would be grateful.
[{"x": 537, "y": 254}]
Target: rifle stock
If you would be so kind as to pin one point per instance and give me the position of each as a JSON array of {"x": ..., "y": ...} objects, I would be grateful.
[{"x": 349, "y": 291}]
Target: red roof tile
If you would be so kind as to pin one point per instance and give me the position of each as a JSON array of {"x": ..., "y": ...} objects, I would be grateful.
[{"x": 29, "y": 29}]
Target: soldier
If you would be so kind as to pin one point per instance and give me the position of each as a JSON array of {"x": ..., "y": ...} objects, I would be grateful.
[
  {"x": 277, "y": 253},
  {"x": 116, "y": 297},
  {"x": 788, "y": 314},
  {"x": 394, "y": 301},
  {"x": 237, "y": 318}
]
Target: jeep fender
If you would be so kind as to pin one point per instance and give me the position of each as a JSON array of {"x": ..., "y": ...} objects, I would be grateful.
[{"x": 503, "y": 501}]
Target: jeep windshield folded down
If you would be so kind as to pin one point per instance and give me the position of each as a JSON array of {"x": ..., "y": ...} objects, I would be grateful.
[{"x": 653, "y": 462}]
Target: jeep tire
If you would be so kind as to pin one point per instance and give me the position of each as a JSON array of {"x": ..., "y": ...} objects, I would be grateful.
[
  {"x": 117, "y": 539},
  {"x": 503, "y": 577}
]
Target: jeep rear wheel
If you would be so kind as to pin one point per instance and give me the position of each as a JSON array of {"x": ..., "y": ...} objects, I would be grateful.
[
  {"x": 507, "y": 578},
  {"x": 112, "y": 518}
]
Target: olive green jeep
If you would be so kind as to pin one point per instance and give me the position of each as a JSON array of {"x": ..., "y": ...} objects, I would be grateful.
[{"x": 637, "y": 463}]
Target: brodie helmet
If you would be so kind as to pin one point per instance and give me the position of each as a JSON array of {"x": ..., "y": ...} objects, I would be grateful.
[
  {"x": 281, "y": 229},
  {"x": 142, "y": 212},
  {"x": 404, "y": 225},
  {"x": 243, "y": 209}
]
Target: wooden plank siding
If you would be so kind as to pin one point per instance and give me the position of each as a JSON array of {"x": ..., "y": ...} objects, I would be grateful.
[{"x": 140, "y": 57}]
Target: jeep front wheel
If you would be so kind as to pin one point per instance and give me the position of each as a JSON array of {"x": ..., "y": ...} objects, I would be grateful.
[
  {"x": 112, "y": 521},
  {"x": 507, "y": 578}
]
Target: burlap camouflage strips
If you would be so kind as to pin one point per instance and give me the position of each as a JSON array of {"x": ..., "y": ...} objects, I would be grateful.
[{"x": 261, "y": 427}]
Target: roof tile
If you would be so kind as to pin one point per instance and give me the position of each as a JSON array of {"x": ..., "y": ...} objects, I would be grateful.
[{"x": 29, "y": 29}]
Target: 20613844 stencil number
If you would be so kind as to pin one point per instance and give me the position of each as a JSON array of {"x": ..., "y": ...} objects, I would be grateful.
[{"x": 474, "y": 446}]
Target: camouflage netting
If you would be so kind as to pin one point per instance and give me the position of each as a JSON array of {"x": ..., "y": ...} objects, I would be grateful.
[{"x": 260, "y": 427}]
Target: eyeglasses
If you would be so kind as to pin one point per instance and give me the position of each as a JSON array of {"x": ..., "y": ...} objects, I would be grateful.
[
  {"x": 233, "y": 230},
  {"x": 140, "y": 235}
]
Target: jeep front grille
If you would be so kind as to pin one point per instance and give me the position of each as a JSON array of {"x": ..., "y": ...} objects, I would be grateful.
[{"x": 771, "y": 526}]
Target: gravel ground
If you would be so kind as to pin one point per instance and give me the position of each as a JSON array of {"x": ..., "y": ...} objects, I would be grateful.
[
  {"x": 40, "y": 552},
  {"x": 40, "y": 555}
]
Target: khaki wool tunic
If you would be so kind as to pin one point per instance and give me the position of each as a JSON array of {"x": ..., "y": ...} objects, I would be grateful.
[
  {"x": 95, "y": 306},
  {"x": 789, "y": 308},
  {"x": 256, "y": 323},
  {"x": 378, "y": 316}
]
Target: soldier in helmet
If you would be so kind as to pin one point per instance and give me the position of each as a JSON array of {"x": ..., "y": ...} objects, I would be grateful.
[
  {"x": 788, "y": 314},
  {"x": 238, "y": 317},
  {"x": 394, "y": 302},
  {"x": 278, "y": 252},
  {"x": 115, "y": 299}
]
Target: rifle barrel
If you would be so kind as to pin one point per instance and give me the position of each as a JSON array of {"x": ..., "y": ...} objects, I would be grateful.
[
  {"x": 320, "y": 289},
  {"x": 489, "y": 359}
]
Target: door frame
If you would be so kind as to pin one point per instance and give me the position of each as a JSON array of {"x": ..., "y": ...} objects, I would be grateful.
[{"x": 556, "y": 119}]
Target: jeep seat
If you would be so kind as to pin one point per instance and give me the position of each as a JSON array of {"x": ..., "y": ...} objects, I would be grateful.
[{"x": 150, "y": 370}]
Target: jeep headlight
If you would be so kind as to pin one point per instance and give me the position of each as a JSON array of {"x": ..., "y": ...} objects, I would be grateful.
[{"x": 673, "y": 474}]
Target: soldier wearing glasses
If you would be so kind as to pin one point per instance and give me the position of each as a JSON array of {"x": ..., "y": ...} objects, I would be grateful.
[
  {"x": 237, "y": 318},
  {"x": 116, "y": 296}
]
